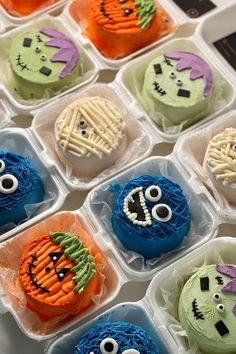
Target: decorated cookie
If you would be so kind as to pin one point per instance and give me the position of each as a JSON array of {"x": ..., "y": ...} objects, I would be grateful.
[
  {"x": 20, "y": 185},
  {"x": 178, "y": 85},
  {"x": 90, "y": 135},
  {"x": 220, "y": 163},
  {"x": 120, "y": 27},
  {"x": 23, "y": 7},
  {"x": 207, "y": 308},
  {"x": 116, "y": 338},
  {"x": 150, "y": 215},
  {"x": 41, "y": 60},
  {"x": 58, "y": 275}
]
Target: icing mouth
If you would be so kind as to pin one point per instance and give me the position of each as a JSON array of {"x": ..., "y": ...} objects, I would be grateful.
[
  {"x": 20, "y": 63},
  {"x": 196, "y": 312},
  {"x": 159, "y": 89},
  {"x": 135, "y": 208},
  {"x": 32, "y": 265}
]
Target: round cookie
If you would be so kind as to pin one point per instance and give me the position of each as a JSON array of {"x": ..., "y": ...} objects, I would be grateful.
[
  {"x": 220, "y": 163},
  {"x": 178, "y": 85},
  {"x": 150, "y": 215},
  {"x": 20, "y": 185},
  {"x": 116, "y": 338},
  {"x": 207, "y": 308},
  {"x": 90, "y": 135},
  {"x": 58, "y": 275},
  {"x": 120, "y": 27},
  {"x": 41, "y": 60}
]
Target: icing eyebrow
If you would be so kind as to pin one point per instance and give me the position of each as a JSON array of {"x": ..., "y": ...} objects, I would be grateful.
[
  {"x": 38, "y": 37},
  {"x": 167, "y": 61},
  {"x": 219, "y": 280},
  {"x": 221, "y": 328},
  {"x": 204, "y": 283},
  {"x": 27, "y": 42},
  {"x": 157, "y": 68},
  {"x": 183, "y": 93}
]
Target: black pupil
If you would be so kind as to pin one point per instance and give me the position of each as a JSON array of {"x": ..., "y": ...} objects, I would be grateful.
[
  {"x": 0, "y": 164},
  {"x": 217, "y": 296},
  {"x": 162, "y": 212},
  {"x": 83, "y": 132},
  {"x": 109, "y": 347},
  {"x": 154, "y": 192},
  {"x": 7, "y": 183},
  {"x": 48, "y": 269},
  {"x": 221, "y": 307}
]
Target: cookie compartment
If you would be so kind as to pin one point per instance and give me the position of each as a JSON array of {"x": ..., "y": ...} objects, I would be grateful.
[{"x": 204, "y": 221}]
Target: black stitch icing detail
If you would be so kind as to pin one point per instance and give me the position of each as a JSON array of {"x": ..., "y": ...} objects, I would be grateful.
[
  {"x": 196, "y": 312},
  {"x": 21, "y": 63},
  {"x": 158, "y": 88}
]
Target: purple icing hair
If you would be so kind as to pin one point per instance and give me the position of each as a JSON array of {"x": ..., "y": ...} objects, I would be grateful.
[
  {"x": 199, "y": 68},
  {"x": 68, "y": 52},
  {"x": 230, "y": 271}
]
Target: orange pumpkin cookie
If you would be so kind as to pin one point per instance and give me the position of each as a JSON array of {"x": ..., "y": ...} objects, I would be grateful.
[
  {"x": 120, "y": 27},
  {"x": 58, "y": 275}
]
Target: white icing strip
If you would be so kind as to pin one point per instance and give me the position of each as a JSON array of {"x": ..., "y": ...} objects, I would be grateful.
[
  {"x": 221, "y": 158},
  {"x": 104, "y": 130}
]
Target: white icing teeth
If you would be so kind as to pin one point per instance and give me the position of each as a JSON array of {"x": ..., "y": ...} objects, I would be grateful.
[{"x": 133, "y": 216}]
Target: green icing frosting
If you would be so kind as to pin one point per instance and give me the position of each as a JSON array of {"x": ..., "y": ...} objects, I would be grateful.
[
  {"x": 74, "y": 249},
  {"x": 26, "y": 62},
  {"x": 146, "y": 11},
  {"x": 203, "y": 330},
  {"x": 160, "y": 93}
]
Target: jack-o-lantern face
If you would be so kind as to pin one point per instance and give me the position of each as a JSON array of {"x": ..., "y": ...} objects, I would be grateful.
[{"x": 55, "y": 268}]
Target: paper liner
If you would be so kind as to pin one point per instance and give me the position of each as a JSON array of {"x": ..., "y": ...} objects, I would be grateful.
[
  {"x": 10, "y": 255},
  {"x": 138, "y": 142}
]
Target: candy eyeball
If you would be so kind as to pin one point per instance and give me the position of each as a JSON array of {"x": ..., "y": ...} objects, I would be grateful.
[
  {"x": 109, "y": 346},
  {"x": 8, "y": 184},
  {"x": 153, "y": 193},
  {"x": 162, "y": 212}
]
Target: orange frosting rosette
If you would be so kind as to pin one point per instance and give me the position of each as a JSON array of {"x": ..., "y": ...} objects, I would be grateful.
[
  {"x": 120, "y": 27},
  {"x": 25, "y": 7}
]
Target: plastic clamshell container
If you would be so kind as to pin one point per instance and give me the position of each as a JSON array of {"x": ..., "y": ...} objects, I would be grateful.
[
  {"x": 139, "y": 144},
  {"x": 99, "y": 206},
  {"x": 90, "y": 68},
  {"x": 115, "y": 64},
  {"x": 135, "y": 313},
  {"x": 135, "y": 70},
  {"x": 23, "y": 142},
  {"x": 6, "y": 114},
  {"x": 8, "y": 20},
  {"x": 191, "y": 155},
  {"x": 10, "y": 300},
  {"x": 210, "y": 32},
  {"x": 218, "y": 250}
]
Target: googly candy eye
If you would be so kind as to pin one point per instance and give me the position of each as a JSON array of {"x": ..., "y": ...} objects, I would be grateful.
[
  {"x": 162, "y": 212},
  {"x": 84, "y": 133},
  {"x": 83, "y": 124},
  {"x": 216, "y": 297},
  {"x": 179, "y": 82},
  {"x": 153, "y": 193},
  {"x": 172, "y": 75},
  {"x": 233, "y": 147},
  {"x": 8, "y": 184},
  {"x": 109, "y": 346},
  {"x": 220, "y": 308},
  {"x": 43, "y": 57},
  {"x": 2, "y": 166},
  {"x": 37, "y": 49}
]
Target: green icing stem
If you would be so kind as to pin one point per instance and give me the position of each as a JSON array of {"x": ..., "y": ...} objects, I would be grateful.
[
  {"x": 74, "y": 249},
  {"x": 146, "y": 11}
]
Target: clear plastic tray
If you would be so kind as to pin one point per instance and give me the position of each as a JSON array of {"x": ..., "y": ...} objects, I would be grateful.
[{"x": 164, "y": 290}]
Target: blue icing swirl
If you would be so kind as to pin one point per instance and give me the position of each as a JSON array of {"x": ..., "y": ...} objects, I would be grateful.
[
  {"x": 159, "y": 237},
  {"x": 30, "y": 189},
  {"x": 127, "y": 336}
]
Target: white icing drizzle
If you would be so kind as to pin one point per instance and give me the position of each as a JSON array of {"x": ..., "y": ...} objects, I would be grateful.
[
  {"x": 104, "y": 127},
  {"x": 132, "y": 216},
  {"x": 221, "y": 158}
]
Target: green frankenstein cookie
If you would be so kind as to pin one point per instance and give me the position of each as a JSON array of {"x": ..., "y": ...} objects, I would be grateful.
[
  {"x": 207, "y": 308},
  {"x": 43, "y": 59},
  {"x": 179, "y": 85}
]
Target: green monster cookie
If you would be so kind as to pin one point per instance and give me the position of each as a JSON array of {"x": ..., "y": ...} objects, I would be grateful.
[
  {"x": 179, "y": 86},
  {"x": 207, "y": 308},
  {"x": 43, "y": 59}
]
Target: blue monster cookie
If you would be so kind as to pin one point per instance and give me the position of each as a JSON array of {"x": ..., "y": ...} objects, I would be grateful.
[
  {"x": 150, "y": 215},
  {"x": 20, "y": 185},
  {"x": 117, "y": 338}
]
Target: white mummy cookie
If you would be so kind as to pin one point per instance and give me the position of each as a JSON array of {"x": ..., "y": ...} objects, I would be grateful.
[
  {"x": 220, "y": 163},
  {"x": 90, "y": 136}
]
